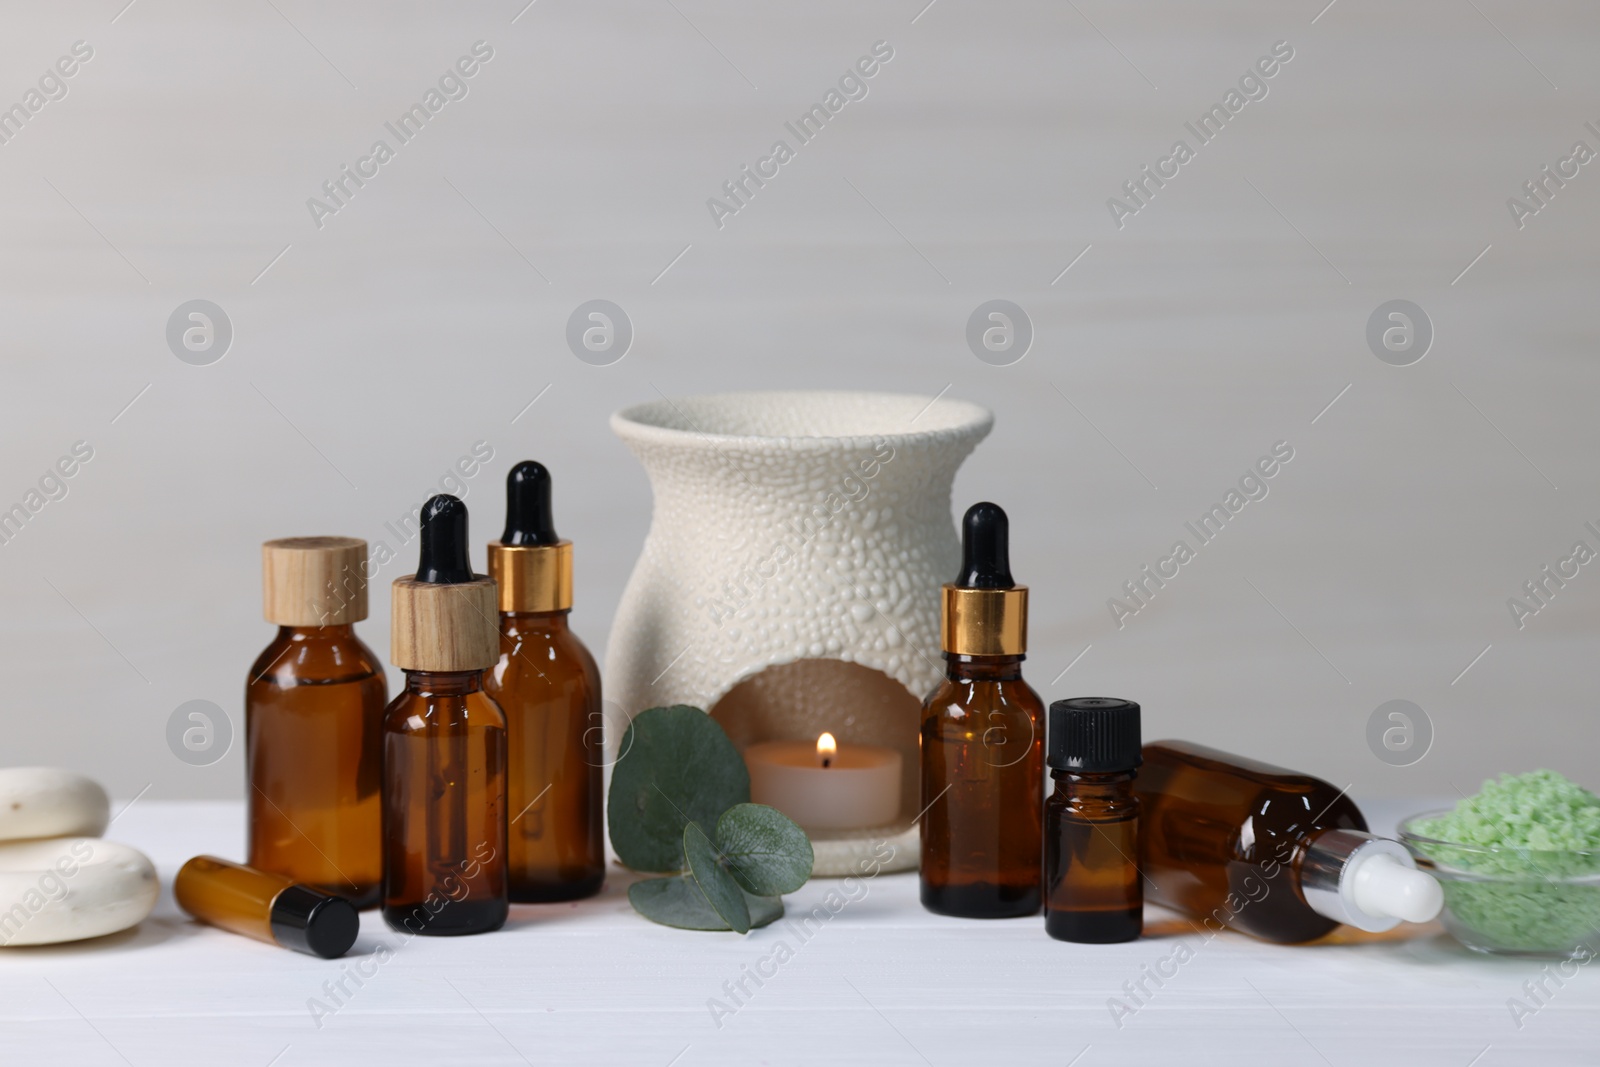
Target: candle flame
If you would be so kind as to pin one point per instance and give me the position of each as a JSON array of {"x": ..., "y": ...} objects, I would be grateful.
[{"x": 827, "y": 748}]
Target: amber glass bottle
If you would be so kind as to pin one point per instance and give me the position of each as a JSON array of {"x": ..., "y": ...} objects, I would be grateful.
[
  {"x": 1093, "y": 894},
  {"x": 983, "y": 741},
  {"x": 444, "y": 744},
  {"x": 267, "y": 907},
  {"x": 547, "y": 684},
  {"x": 1268, "y": 851},
  {"x": 313, "y": 717}
]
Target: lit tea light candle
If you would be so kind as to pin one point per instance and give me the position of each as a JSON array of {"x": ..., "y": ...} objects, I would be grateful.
[{"x": 826, "y": 786}]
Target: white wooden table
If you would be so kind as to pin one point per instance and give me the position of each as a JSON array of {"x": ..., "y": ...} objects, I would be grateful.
[{"x": 881, "y": 981}]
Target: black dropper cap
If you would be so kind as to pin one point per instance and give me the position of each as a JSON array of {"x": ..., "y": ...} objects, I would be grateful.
[
  {"x": 985, "y": 548},
  {"x": 1094, "y": 735},
  {"x": 529, "y": 520},
  {"x": 317, "y": 923},
  {"x": 444, "y": 542}
]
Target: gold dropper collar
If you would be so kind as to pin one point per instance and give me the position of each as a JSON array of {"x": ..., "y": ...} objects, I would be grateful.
[
  {"x": 532, "y": 578},
  {"x": 984, "y": 622}
]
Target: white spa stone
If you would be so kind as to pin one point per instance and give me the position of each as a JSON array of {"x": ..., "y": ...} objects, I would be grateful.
[
  {"x": 49, "y": 802},
  {"x": 70, "y": 888}
]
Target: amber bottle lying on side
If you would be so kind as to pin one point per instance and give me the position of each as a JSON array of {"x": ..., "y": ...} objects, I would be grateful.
[
  {"x": 266, "y": 907},
  {"x": 1268, "y": 851},
  {"x": 313, "y": 714}
]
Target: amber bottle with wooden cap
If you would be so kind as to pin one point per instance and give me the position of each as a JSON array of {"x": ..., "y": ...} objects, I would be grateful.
[
  {"x": 313, "y": 718},
  {"x": 983, "y": 741},
  {"x": 547, "y": 684},
  {"x": 267, "y": 907},
  {"x": 444, "y": 744}
]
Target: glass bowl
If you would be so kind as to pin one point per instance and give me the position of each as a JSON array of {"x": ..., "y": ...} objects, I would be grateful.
[{"x": 1512, "y": 901}]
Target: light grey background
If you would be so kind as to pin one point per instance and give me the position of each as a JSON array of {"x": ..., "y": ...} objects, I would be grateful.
[{"x": 426, "y": 315}]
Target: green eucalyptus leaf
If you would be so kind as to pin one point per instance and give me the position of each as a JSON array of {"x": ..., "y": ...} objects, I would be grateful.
[
  {"x": 713, "y": 878},
  {"x": 763, "y": 910},
  {"x": 766, "y": 852},
  {"x": 677, "y": 767},
  {"x": 677, "y": 901},
  {"x": 674, "y": 901}
]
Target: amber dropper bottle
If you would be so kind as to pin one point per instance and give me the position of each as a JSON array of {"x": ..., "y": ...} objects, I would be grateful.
[
  {"x": 549, "y": 688},
  {"x": 1271, "y": 852},
  {"x": 1092, "y": 889},
  {"x": 444, "y": 744},
  {"x": 267, "y": 907},
  {"x": 983, "y": 741},
  {"x": 313, "y": 719}
]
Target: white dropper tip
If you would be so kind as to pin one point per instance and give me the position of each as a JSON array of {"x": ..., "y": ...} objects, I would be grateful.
[{"x": 1384, "y": 886}]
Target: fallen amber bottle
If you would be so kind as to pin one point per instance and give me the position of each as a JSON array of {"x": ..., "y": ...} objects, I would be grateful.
[
  {"x": 267, "y": 907},
  {"x": 1284, "y": 856}
]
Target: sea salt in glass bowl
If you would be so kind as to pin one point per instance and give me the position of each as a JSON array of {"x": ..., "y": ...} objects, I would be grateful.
[{"x": 1512, "y": 901}]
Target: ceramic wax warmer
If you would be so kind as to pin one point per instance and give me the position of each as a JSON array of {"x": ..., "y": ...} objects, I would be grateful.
[{"x": 790, "y": 579}]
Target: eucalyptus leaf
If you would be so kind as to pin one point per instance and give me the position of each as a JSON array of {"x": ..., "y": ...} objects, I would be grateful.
[
  {"x": 677, "y": 767},
  {"x": 763, "y": 910},
  {"x": 719, "y": 886},
  {"x": 765, "y": 851},
  {"x": 676, "y": 901}
]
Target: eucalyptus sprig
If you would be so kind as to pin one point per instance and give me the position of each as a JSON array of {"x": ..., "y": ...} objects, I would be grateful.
[{"x": 680, "y": 802}]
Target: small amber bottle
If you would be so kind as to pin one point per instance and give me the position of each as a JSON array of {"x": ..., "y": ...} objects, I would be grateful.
[
  {"x": 313, "y": 718},
  {"x": 267, "y": 907},
  {"x": 1092, "y": 889},
  {"x": 1271, "y": 852},
  {"x": 547, "y": 684},
  {"x": 444, "y": 744},
  {"x": 983, "y": 741}
]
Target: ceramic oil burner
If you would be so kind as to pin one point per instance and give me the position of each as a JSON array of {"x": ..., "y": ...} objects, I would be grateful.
[{"x": 790, "y": 579}]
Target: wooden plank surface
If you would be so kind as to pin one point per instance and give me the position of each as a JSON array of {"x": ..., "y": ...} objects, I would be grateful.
[{"x": 879, "y": 982}]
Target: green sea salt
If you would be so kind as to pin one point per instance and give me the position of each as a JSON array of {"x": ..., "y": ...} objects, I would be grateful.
[{"x": 1521, "y": 866}]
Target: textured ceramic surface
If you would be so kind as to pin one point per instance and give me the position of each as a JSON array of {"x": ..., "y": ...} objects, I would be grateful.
[{"x": 789, "y": 527}]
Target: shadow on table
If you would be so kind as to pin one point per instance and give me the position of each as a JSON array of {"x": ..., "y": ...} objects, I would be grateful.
[
  {"x": 1423, "y": 944},
  {"x": 152, "y": 931}
]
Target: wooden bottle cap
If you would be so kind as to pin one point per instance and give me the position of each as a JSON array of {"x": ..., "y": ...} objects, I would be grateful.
[
  {"x": 314, "y": 581},
  {"x": 532, "y": 578},
  {"x": 444, "y": 627}
]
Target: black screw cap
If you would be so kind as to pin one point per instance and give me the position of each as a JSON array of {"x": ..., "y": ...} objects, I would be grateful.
[{"x": 1094, "y": 735}]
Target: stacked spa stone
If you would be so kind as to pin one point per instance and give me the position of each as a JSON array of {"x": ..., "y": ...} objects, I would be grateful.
[{"x": 58, "y": 880}]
